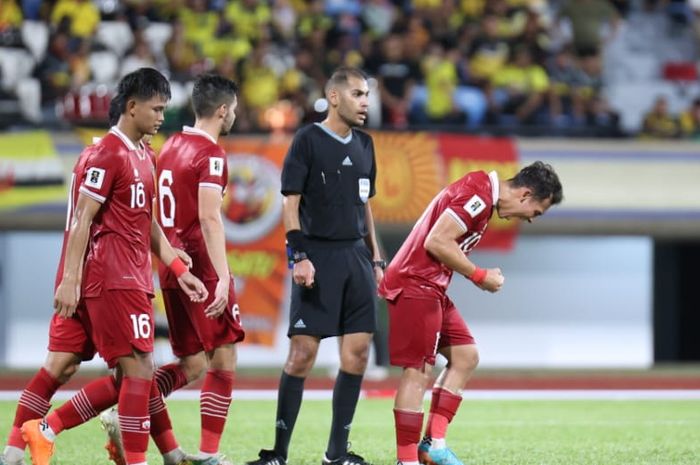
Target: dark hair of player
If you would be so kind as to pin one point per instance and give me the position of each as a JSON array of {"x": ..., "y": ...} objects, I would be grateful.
[
  {"x": 142, "y": 84},
  {"x": 341, "y": 75},
  {"x": 542, "y": 180},
  {"x": 210, "y": 92}
]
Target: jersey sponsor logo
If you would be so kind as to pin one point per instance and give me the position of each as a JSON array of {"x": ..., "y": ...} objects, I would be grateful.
[
  {"x": 363, "y": 184},
  {"x": 216, "y": 166},
  {"x": 300, "y": 324},
  {"x": 474, "y": 206},
  {"x": 347, "y": 161},
  {"x": 95, "y": 177}
]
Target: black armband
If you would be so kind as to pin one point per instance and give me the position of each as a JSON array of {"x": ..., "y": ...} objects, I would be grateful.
[{"x": 295, "y": 240}]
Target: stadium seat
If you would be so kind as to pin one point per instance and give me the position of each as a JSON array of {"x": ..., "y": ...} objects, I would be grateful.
[
  {"x": 156, "y": 35},
  {"x": 16, "y": 64},
  {"x": 116, "y": 36},
  {"x": 35, "y": 35},
  {"x": 104, "y": 66}
]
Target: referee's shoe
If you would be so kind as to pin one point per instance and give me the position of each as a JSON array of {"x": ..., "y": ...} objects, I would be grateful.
[
  {"x": 268, "y": 457},
  {"x": 349, "y": 458}
]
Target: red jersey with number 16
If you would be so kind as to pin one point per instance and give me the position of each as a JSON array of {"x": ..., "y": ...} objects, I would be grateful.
[
  {"x": 118, "y": 174},
  {"x": 189, "y": 160},
  {"x": 469, "y": 201}
]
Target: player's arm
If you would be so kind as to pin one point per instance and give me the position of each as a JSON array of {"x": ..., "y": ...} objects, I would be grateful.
[
  {"x": 441, "y": 243},
  {"x": 371, "y": 241},
  {"x": 189, "y": 283},
  {"x": 304, "y": 271},
  {"x": 212, "y": 224},
  {"x": 68, "y": 291}
]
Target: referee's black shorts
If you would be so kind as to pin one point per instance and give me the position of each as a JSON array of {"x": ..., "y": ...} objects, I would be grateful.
[{"x": 343, "y": 299}]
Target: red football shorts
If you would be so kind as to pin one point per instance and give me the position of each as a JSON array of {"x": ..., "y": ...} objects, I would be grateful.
[
  {"x": 72, "y": 334},
  {"x": 192, "y": 332},
  {"x": 122, "y": 322},
  {"x": 420, "y": 325}
]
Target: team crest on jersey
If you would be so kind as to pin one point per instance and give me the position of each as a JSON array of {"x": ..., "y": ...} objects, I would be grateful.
[
  {"x": 216, "y": 166},
  {"x": 95, "y": 177},
  {"x": 474, "y": 206}
]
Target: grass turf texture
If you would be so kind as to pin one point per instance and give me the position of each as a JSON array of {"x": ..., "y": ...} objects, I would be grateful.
[{"x": 484, "y": 432}]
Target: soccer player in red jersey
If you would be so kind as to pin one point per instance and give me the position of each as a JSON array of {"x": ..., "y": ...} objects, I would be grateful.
[
  {"x": 422, "y": 319},
  {"x": 113, "y": 283},
  {"x": 192, "y": 176}
]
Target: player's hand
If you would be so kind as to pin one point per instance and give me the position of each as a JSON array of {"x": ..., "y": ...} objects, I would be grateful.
[
  {"x": 220, "y": 302},
  {"x": 65, "y": 301},
  {"x": 303, "y": 273},
  {"x": 493, "y": 281},
  {"x": 183, "y": 256},
  {"x": 378, "y": 275},
  {"x": 193, "y": 287}
]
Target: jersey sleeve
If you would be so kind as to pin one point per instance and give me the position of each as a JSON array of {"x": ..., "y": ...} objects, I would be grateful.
[
  {"x": 296, "y": 166},
  {"x": 101, "y": 171},
  {"x": 212, "y": 170},
  {"x": 466, "y": 208}
]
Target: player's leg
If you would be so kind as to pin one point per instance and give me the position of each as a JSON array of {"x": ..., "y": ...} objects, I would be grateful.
[
  {"x": 69, "y": 344},
  {"x": 33, "y": 403},
  {"x": 458, "y": 347},
  {"x": 414, "y": 334}
]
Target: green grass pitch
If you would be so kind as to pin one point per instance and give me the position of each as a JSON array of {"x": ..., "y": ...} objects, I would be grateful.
[{"x": 484, "y": 432}]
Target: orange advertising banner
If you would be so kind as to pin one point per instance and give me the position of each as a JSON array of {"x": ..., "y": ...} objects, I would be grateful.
[{"x": 413, "y": 167}]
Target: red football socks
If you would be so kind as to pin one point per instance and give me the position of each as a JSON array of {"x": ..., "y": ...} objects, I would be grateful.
[
  {"x": 443, "y": 408},
  {"x": 170, "y": 378},
  {"x": 33, "y": 403},
  {"x": 215, "y": 399},
  {"x": 133, "y": 418},
  {"x": 408, "y": 428},
  {"x": 85, "y": 405},
  {"x": 161, "y": 427}
]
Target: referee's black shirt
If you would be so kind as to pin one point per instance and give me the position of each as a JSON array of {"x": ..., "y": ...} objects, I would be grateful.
[{"x": 335, "y": 177}]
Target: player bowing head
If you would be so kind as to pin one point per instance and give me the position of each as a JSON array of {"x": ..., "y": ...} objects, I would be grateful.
[
  {"x": 530, "y": 193},
  {"x": 215, "y": 97}
]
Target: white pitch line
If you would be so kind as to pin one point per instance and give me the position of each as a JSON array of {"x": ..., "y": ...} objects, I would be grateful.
[{"x": 478, "y": 394}]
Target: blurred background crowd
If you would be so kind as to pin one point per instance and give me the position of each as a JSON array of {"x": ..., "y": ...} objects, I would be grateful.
[{"x": 532, "y": 67}]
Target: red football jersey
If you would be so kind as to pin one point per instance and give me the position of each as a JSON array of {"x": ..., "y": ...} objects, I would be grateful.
[
  {"x": 119, "y": 174},
  {"x": 189, "y": 160},
  {"x": 470, "y": 202}
]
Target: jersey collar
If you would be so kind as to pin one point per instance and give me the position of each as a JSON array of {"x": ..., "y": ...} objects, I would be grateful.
[
  {"x": 125, "y": 139},
  {"x": 493, "y": 176},
  {"x": 197, "y": 131},
  {"x": 342, "y": 140}
]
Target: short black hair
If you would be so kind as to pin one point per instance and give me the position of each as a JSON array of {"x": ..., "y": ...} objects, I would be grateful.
[
  {"x": 210, "y": 92},
  {"x": 142, "y": 84},
  {"x": 341, "y": 75},
  {"x": 542, "y": 180}
]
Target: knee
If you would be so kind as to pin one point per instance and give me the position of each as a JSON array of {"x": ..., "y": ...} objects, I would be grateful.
[
  {"x": 355, "y": 360},
  {"x": 62, "y": 369},
  {"x": 194, "y": 366},
  {"x": 300, "y": 360},
  {"x": 468, "y": 361}
]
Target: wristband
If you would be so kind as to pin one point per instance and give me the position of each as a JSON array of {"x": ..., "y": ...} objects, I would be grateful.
[
  {"x": 380, "y": 263},
  {"x": 295, "y": 240},
  {"x": 178, "y": 267},
  {"x": 478, "y": 276}
]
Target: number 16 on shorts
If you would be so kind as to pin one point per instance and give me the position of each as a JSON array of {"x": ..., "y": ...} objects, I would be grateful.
[{"x": 142, "y": 325}]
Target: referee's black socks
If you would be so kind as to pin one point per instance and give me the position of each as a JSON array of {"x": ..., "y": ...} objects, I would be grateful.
[
  {"x": 345, "y": 395},
  {"x": 289, "y": 395}
]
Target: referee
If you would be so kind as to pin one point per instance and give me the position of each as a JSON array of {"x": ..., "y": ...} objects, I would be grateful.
[{"x": 327, "y": 180}]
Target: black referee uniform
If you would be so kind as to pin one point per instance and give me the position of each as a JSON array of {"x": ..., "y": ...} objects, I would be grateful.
[{"x": 335, "y": 177}]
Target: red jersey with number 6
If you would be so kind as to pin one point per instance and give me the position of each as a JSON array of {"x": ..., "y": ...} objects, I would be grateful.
[
  {"x": 469, "y": 201},
  {"x": 118, "y": 174},
  {"x": 190, "y": 160}
]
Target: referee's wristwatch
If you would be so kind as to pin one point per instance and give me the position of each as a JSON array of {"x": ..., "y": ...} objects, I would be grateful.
[
  {"x": 299, "y": 256},
  {"x": 380, "y": 263}
]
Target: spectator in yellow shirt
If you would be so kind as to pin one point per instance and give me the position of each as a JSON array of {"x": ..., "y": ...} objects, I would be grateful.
[
  {"x": 659, "y": 123},
  {"x": 80, "y": 16},
  {"x": 519, "y": 88},
  {"x": 690, "y": 120},
  {"x": 10, "y": 24}
]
